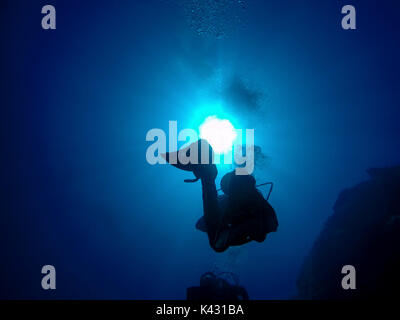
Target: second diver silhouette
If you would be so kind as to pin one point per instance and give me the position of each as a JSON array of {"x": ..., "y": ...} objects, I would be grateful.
[{"x": 237, "y": 217}]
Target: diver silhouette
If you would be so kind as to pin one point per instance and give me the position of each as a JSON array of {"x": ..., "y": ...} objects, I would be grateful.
[
  {"x": 237, "y": 217},
  {"x": 216, "y": 287}
]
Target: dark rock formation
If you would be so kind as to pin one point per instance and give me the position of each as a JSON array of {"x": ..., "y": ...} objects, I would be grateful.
[{"x": 364, "y": 231}]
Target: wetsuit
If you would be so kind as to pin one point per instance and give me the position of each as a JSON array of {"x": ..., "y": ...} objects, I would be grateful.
[{"x": 235, "y": 219}]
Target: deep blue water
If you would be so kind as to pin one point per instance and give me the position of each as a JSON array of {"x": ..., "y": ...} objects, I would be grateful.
[{"x": 77, "y": 102}]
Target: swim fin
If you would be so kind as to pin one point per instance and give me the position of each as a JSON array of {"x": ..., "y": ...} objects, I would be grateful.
[
  {"x": 200, "y": 163},
  {"x": 201, "y": 225}
]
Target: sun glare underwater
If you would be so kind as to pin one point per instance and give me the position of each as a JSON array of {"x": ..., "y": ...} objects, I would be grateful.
[{"x": 220, "y": 133}]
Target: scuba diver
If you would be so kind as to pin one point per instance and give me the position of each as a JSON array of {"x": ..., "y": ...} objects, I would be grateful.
[
  {"x": 235, "y": 218},
  {"x": 216, "y": 287}
]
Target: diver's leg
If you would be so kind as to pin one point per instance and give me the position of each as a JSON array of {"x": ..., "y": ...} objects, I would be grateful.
[
  {"x": 204, "y": 169},
  {"x": 212, "y": 214}
]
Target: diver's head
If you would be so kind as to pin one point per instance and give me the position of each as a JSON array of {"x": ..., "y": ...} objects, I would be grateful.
[
  {"x": 232, "y": 184},
  {"x": 208, "y": 279}
]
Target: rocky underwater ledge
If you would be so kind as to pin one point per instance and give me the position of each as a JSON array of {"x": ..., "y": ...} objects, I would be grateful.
[{"x": 364, "y": 232}]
